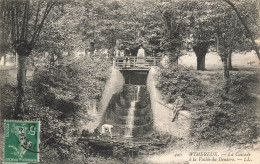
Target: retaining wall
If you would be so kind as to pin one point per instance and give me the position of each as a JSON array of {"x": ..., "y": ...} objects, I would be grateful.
[
  {"x": 113, "y": 85},
  {"x": 162, "y": 112}
]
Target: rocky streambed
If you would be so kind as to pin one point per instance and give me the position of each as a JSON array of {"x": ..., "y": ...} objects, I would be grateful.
[{"x": 120, "y": 148}]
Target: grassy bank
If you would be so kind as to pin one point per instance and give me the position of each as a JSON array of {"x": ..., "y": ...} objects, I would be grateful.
[
  {"x": 218, "y": 116},
  {"x": 58, "y": 96}
]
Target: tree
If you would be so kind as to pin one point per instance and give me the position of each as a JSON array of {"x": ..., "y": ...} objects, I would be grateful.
[
  {"x": 63, "y": 31},
  {"x": 24, "y": 24},
  {"x": 230, "y": 33},
  {"x": 175, "y": 21},
  {"x": 201, "y": 31},
  {"x": 245, "y": 26},
  {"x": 216, "y": 21}
]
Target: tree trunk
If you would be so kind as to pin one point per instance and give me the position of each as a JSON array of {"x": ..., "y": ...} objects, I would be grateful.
[
  {"x": 32, "y": 60},
  {"x": 4, "y": 59},
  {"x": 226, "y": 70},
  {"x": 201, "y": 51},
  {"x": 225, "y": 65},
  {"x": 201, "y": 62},
  {"x": 226, "y": 73},
  {"x": 16, "y": 60},
  {"x": 229, "y": 61},
  {"x": 92, "y": 48},
  {"x": 21, "y": 79}
]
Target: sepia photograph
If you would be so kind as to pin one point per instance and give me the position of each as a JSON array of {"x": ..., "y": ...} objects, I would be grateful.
[{"x": 130, "y": 81}]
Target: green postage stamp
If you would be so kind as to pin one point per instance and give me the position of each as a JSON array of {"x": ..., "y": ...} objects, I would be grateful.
[{"x": 21, "y": 141}]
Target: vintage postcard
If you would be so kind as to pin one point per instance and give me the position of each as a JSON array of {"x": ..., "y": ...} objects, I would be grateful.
[{"x": 130, "y": 81}]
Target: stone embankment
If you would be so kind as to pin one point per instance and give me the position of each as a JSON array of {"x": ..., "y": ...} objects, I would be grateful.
[
  {"x": 163, "y": 112},
  {"x": 113, "y": 85}
]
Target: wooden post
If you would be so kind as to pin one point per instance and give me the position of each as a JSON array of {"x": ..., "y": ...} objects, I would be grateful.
[{"x": 16, "y": 60}]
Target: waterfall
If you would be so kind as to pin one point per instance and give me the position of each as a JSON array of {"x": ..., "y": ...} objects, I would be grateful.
[
  {"x": 131, "y": 115},
  {"x": 130, "y": 120},
  {"x": 137, "y": 94}
]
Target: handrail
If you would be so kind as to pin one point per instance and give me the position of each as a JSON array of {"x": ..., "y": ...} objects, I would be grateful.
[
  {"x": 134, "y": 57},
  {"x": 134, "y": 61}
]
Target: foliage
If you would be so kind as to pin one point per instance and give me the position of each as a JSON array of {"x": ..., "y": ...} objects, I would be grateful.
[
  {"x": 84, "y": 76},
  {"x": 7, "y": 100},
  {"x": 179, "y": 81},
  {"x": 58, "y": 134},
  {"x": 74, "y": 25},
  {"x": 61, "y": 96},
  {"x": 229, "y": 118},
  {"x": 217, "y": 116},
  {"x": 104, "y": 22}
]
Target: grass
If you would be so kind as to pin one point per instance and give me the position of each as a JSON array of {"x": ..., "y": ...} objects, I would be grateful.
[
  {"x": 217, "y": 116},
  {"x": 210, "y": 82}
]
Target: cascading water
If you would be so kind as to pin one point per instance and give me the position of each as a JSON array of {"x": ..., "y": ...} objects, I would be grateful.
[
  {"x": 130, "y": 120},
  {"x": 137, "y": 94},
  {"x": 131, "y": 115}
]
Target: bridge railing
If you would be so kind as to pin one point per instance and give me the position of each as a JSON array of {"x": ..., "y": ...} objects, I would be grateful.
[{"x": 133, "y": 61}]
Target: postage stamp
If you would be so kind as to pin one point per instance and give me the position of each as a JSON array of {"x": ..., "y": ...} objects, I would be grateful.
[{"x": 21, "y": 141}]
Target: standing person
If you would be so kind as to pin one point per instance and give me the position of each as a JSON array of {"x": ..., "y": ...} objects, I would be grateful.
[
  {"x": 140, "y": 56},
  {"x": 141, "y": 52},
  {"x": 116, "y": 55},
  {"x": 116, "y": 52},
  {"x": 127, "y": 54},
  {"x": 122, "y": 53}
]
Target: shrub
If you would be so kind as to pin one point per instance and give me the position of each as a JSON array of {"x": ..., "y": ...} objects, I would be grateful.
[
  {"x": 217, "y": 116},
  {"x": 8, "y": 100},
  {"x": 82, "y": 75},
  {"x": 60, "y": 101},
  {"x": 180, "y": 81}
]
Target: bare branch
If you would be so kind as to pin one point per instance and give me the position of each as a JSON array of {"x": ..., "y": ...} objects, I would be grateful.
[
  {"x": 36, "y": 29},
  {"x": 16, "y": 20},
  {"x": 37, "y": 32},
  {"x": 37, "y": 15},
  {"x": 13, "y": 22},
  {"x": 27, "y": 20},
  {"x": 24, "y": 22}
]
